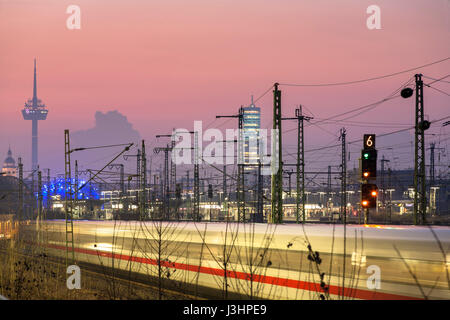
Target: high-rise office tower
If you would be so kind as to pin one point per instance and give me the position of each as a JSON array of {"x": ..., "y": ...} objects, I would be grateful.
[{"x": 251, "y": 128}]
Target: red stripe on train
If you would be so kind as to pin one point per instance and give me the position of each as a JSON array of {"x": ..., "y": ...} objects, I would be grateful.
[{"x": 284, "y": 282}]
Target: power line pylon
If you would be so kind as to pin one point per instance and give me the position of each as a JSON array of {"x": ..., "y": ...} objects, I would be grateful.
[
  {"x": 277, "y": 160},
  {"x": 224, "y": 178},
  {"x": 240, "y": 183},
  {"x": 143, "y": 199},
  {"x": 289, "y": 174},
  {"x": 173, "y": 167},
  {"x": 123, "y": 198},
  {"x": 187, "y": 180},
  {"x": 224, "y": 182},
  {"x": 123, "y": 192},
  {"x": 20, "y": 211},
  {"x": 39, "y": 217},
  {"x": 48, "y": 204},
  {"x": 343, "y": 210},
  {"x": 68, "y": 201},
  {"x": 420, "y": 197},
  {"x": 75, "y": 199},
  {"x": 383, "y": 187},
  {"x": 241, "y": 164},
  {"x": 390, "y": 194},
  {"x": 172, "y": 185},
  {"x": 166, "y": 183},
  {"x": 432, "y": 188},
  {"x": 33, "y": 189},
  {"x": 138, "y": 173},
  {"x": 329, "y": 198},
  {"x": 196, "y": 213},
  {"x": 260, "y": 204},
  {"x": 301, "y": 196},
  {"x": 432, "y": 146},
  {"x": 432, "y": 163}
]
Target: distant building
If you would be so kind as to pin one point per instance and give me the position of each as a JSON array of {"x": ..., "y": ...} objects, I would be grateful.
[
  {"x": 251, "y": 127},
  {"x": 9, "y": 165}
]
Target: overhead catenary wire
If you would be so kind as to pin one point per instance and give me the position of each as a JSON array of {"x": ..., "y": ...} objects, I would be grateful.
[
  {"x": 263, "y": 94},
  {"x": 128, "y": 146},
  {"x": 362, "y": 109},
  {"x": 437, "y": 80},
  {"x": 363, "y": 80},
  {"x": 99, "y": 147},
  {"x": 359, "y": 140},
  {"x": 365, "y": 123},
  {"x": 439, "y": 90}
]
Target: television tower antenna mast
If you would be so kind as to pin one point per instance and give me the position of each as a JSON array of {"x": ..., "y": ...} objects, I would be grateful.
[{"x": 34, "y": 110}]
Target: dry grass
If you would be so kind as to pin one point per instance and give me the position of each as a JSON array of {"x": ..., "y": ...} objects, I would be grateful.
[{"x": 28, "y": 273}]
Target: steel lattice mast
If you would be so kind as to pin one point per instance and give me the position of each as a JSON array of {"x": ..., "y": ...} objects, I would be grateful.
[
  {"x": 196, "y": 213},
  {"x": 68, "y": 200},
  {"x": 420, "y": 198},
  {"x": 300, "y": 166},
  {"x": 240, "y": 183},
  {"x": 166, "y": 183},
  {"x": 20, "y": 211},
  {"x": 277, "y": 161},
  {"x": 241, "y": 179},
  {"x": 143, "y": 199},
  {"x": 343, "y": 178}
]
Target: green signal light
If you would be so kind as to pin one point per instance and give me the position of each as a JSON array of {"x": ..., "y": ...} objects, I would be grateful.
[{"x": 366, "y": 156}]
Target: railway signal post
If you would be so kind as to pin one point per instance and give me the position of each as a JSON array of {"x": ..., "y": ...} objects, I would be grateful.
[{"x": 369, "y": 190}]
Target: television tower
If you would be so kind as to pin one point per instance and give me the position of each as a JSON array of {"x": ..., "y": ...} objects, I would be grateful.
[{"x": 34, "y": 110}]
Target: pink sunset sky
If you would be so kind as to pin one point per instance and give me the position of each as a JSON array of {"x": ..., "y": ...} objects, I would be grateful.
[{"x": 165, "y": 63}]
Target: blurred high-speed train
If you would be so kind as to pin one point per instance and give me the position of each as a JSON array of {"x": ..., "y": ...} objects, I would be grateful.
[{"x": 311, "y": 261}]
